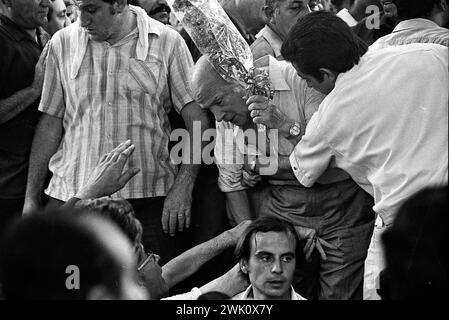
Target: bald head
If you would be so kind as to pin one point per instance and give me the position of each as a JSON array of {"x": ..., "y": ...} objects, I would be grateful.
[
  {"x": 205, "y": 78},
  {"x": 222, "y": 98},
  {"x": 249, "y": 13}
]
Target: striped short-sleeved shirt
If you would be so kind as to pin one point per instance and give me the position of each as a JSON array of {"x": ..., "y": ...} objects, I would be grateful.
[{"x": 113, "y": 96}]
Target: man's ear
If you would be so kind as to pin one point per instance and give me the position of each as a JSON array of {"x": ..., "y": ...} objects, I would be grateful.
[
  {"x": 443, "y": 5},
  {"x": 269, "y": 14},
  {"x": 8, "y": 3},
  {"x": 243, "y": 266},
  {"x": 328, "y": 75},
  {"x": 119, "y": 6},
  {"x": 99, "y": 292}
]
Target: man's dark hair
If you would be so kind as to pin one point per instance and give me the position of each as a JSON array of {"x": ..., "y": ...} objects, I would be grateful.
[
  {"x": 120, "y": 211},
  {"x": 265, "y": 224},
  {"x": 411, "y": 9},
  {"x": 322, "y": 40},
  {"x": 416, "y": 249},
  {"x": 50, "y": 11},
  {"x": 36, "y": 250}
]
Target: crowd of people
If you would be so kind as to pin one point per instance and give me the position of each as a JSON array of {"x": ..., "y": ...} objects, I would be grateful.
[{"x": 355, "y": 208}]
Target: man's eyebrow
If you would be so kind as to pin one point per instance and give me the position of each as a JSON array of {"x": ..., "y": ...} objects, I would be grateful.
[{"x": 263, "y": 253}]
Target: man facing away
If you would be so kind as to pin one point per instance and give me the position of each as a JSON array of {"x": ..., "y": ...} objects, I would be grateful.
[
  {"x": 107, "y": 79},
  {"x": 422, "y": 21}
]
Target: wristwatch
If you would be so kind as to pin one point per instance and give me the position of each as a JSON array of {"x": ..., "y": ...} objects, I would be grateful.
[{"x": 295, "y": 129}]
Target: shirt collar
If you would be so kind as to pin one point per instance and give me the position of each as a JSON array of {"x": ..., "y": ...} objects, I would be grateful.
[
  {"x": 347, "y": 17},
  {"x": 273, "y": 40},
  {"x": 275, "y": 69},
  {"x": 414, "y": 24},
  {"x": 145, "y": 25},
  {"x": 249, "y": 292}
]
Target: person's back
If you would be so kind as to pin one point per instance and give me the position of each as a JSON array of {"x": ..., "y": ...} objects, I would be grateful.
[
  {"x": 415, "y": 249},
  {"x": 388, "y": 145},
  {"x": 421, "y": 22}
]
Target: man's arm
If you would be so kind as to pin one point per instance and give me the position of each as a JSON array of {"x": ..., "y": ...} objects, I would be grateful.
[
  {"x": 177, "y": 205},
  {"x": 45, "y": 144},
  {"x": 237, "y": 206},
  {"x": 22, "y": 99},
  {"x": 186, "y": 264},
  {"x": 107, "y": 177},
  {"x": 231, "y": 283}
]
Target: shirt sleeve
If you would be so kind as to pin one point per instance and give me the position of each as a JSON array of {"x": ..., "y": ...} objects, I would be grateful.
[
  {"x": 52, "y": 99},
  {"x": 312, "y": 155},
  {"x": 313, "y": 100},
  {"x": 179, "y": 71},
  {"x": 191, "y": 295},
  {"x": 228, "y": 158}
]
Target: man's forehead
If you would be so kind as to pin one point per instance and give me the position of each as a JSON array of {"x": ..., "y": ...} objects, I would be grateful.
[
  {"x": 272, "y": 242},
  {"x": 84, "y": 3}
]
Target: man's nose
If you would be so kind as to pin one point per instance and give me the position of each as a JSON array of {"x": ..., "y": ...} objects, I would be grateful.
[
  {"x": 219, "y": 116},
  {"x": 85, "y": 21},
  {"x": 277, "y": 266},
  {"x": 67, "y": 21}
]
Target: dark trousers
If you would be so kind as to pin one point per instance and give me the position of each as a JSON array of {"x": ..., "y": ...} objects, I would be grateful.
[
  {"x": 342, "y": 215},
  {"x": 10, "y": 209},
  {"x": 149, "y": 213}
]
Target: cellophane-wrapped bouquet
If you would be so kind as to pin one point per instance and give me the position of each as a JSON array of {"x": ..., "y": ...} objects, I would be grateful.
[{"x": 216, "y": 36}]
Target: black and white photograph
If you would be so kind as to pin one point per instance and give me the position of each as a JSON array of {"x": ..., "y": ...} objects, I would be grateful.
[{"x": 224, "y": 150}]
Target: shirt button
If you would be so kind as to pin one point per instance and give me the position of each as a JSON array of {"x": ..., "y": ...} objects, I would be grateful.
[
  {"x": 294, "y": 168},
  {"x": 110, "y": 103}
]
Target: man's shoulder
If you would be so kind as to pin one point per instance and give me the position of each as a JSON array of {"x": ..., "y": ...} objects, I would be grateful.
[{"x": 239, "y": 296}]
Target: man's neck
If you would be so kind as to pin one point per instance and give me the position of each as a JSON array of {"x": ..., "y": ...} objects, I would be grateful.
[
  {"x": 232, "y": 11},
  {"x": 129, "y": 23},
  {"x": 31, "y": 32},
  {"x": 256, "y": 295}
]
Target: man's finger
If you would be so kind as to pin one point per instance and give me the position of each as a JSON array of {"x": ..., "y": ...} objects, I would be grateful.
[
  {"x": 256, "y": 98},
  {"x": 321, "y": 250},
  {"x": 103, "y": 158},
  {"x": 118, "y": 151},
  {"x": 164, "y": 220},
  {"x": 308, "y": 248},
  {"x": 127, "y": 176},
  {"x": 256, "y": 106},
  {"x": 259, "y": 120},
  {"x": 326, "y": 244},
  {"x": 172, "y": 223},
  {"x": 124, "y": 156},
  {"x": 181, "y": 220},
  {"x": 188, "y": 212}
]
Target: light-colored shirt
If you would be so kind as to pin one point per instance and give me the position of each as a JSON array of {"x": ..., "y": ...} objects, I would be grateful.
[
  {"x": 106, "y": 94},
  {"x": 344, "y": 15},
  {"x": 191, "y": 295},
  {"x": 248, "y": 295},
  {"x": 414, "y": 31},
  {"x": 296, "y": 100},
  {"x": 385, "y": 123},
  {"x": 267, "y": 43}
]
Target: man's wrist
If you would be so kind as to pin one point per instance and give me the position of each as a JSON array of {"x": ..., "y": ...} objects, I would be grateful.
[
  {"x": 87, "y": 193},
  {"x": 284, "y": 130}
]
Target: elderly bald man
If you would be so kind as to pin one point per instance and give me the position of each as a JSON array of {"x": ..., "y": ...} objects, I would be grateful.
[{"x": 335, "y": 213}]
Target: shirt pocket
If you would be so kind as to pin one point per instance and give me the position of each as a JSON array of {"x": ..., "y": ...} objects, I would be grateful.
[{"x": 144, "y": 75}]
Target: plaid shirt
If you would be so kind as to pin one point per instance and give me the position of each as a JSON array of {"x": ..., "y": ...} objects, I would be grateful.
[{"x": 106, "y": 94}]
